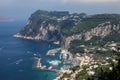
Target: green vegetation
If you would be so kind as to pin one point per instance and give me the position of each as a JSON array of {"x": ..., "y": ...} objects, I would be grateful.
[
  {"x": 82, "y": 75},
  {"x": 68, "y": 24},
  {"x": 75, "y": 47},
  {"x": 115, "y": 38},
  {"x": 104, "y": 74},
  {"x": 94, "y": 42},
  {"x": 71, "y": 24},
  {"x": 57, "y": 25},
  {"x": 65, "y": 75},
  {"x": 75, "y": 68},
  {"x": 89, "y": 22}
]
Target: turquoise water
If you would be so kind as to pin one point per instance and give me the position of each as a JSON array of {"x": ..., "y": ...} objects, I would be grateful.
[{"x": 16, "y": 55}]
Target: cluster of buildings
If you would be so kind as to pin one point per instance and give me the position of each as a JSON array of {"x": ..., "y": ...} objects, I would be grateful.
[{"x": 85, "y": 62}]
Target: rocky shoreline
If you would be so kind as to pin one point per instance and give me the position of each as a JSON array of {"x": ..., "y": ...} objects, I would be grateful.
[
  {"x": 52, "y": 52},
  {"x": 91, "y": 61},
  {"x": 26, "y": 37},
  {"x": 38, "y": 65},
  {"x": 66, "y": 57}
]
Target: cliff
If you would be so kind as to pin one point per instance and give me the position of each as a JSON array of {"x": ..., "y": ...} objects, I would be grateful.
[
  {"x": 42, "y": 25},
  {"x": 62, "y": 27},
  {"x": 102, "y": 30}
]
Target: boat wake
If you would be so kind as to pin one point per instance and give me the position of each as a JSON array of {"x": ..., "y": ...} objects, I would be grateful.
[{"x": 17, "y": 62}]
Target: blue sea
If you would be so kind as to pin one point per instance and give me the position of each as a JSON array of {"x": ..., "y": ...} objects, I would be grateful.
[{"x": 16, "y": 55}]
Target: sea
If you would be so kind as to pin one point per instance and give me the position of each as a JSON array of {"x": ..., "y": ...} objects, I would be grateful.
[{"x": 16, "y": 55}]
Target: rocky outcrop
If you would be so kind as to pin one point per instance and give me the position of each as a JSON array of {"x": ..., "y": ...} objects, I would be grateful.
[
  {"x": 52, "y": 52},
  {"x": 43, "y": 33},
  {"x": 60, "y": 27},
  {"x": 43, "y": 25},
  {"x": 102, "y": 30},
  {"x": 71, "y": 38}
]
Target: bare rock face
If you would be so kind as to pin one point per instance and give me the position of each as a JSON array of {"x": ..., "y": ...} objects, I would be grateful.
[
  {"x": 42, "y": 25},
  {"x": 62, "y": 27},
  {"x": 100, "y": 31},
  {"x": 48, "y": 25},
  {"x": 43, "y": 33},
  {"x": 71, "y": 38}
]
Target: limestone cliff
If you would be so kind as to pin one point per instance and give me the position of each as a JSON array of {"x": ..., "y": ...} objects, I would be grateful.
[
  {"x": 102, "y": 30},
  {"x": 42, "y": 25},
  {"x": 62, "y": 27}
]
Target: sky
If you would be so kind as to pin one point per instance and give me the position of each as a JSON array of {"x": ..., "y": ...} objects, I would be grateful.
[{"x": 22, "y": 9}]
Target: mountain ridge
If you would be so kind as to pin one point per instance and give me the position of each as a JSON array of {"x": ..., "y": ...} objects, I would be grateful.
[{"x": 62, "y": 27}]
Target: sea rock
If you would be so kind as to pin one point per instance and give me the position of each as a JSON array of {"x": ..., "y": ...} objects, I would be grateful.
[{"x": 52, "y": 52}]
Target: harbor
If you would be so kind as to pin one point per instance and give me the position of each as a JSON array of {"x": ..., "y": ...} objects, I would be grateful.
[{"x": 38, "y": 65}]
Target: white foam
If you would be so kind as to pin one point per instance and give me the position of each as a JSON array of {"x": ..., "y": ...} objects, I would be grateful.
[
  {"x": 55, "y": 62},
  {"x": 53, "y": 51},
  {"x": 18, "y": 61}
]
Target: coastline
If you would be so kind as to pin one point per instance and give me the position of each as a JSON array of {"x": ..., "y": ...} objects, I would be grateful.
[
  {"x": 25, "y": 37},
  {"x": 39, "y": 66},
  {"x": 36, "y": 38},
  {"x": 37, "y": 63},
  {"x": 65, "y": 55},
  {"x": 60, "y": 72}
]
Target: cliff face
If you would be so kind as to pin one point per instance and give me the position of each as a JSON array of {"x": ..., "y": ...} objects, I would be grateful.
[
  {"x": 48, "y": 33},
  {"x": 102, "y": 30},
  {"x": 43, "y": 25},
  {"x": 60, "y": 26},
  {"x": 48, "y": 25}
]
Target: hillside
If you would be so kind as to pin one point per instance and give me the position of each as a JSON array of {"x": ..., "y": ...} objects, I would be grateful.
[
  {"x": 72, "y": 30},
  {"x": 90, "y": 44}
]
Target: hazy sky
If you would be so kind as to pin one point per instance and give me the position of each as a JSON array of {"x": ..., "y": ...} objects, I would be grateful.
[{"x": 22, "y": 9}]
